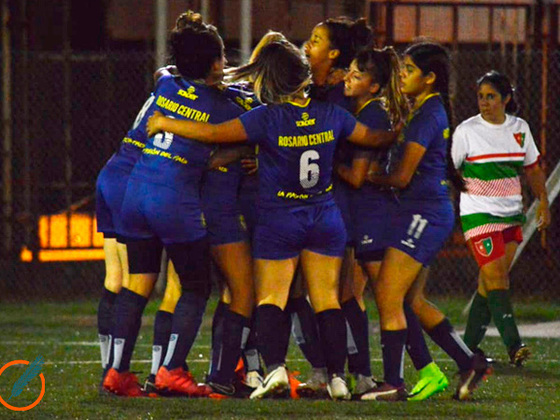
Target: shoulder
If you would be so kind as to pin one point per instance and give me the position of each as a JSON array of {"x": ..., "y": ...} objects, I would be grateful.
[
  {"x": 469, "y": 124},
  {"x": 518, "y": 122}
]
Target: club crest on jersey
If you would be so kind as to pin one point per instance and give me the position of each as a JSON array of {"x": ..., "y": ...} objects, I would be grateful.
[
  {"x": 189, "y": 93},
  {"x": 305, "y": 121},
  {"x": 519, "y": 138},
  {"x": 484, "y": 247}
]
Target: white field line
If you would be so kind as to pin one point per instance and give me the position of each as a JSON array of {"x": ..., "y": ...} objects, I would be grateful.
[{"x": 539, "y": 330}]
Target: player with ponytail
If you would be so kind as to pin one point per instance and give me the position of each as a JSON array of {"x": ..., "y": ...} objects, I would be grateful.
[{"x": 422, "y": 221}]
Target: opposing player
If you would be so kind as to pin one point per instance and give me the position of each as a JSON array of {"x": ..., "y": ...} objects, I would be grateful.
[
  {"x": 421, "y": 223},
  {"x": 298, "y": 218},
  {"x": 491, "y": 149}
]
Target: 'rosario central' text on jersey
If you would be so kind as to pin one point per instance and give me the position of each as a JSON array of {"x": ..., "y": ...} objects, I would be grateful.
[
  {"x": 296, "y": 149},
  {"x": 174, "y": 161},
  {"x": 429, "y": 127}
]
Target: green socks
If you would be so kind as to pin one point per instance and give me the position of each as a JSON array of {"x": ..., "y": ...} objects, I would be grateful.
[
  {"x": 502, "y": 313},
  {"x": 479, "y": 318}
]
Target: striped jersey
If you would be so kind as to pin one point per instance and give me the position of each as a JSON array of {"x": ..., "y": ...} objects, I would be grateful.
[{"x": 491, "y": 158}]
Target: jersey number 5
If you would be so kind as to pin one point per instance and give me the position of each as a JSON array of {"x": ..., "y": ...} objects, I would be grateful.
[{"x": 308, "y": 169}]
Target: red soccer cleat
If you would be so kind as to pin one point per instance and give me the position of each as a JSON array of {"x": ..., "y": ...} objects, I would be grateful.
[
  {"x": 124, "y": 384},
  {"x": 180, "y": 382}
]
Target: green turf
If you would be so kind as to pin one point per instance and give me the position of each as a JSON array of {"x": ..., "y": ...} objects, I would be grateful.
[{"x": 53, "y": 330}]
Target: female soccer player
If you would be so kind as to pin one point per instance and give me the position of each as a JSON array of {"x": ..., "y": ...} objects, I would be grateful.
[
  {"x": 373, "y": 83},
  {"x": 162, "y": 209},
  {"x": 110, "y": 190},
  {"x": 331, "y": 47},
  {"x": 491, "y": 149},
  {"x": 298, "y": 219},
  {"x": 424, "y": 219}
]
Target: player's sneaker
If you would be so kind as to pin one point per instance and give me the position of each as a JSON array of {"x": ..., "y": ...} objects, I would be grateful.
[
  {"x": 316, "y": 385},
  {"x": 432, "y": 381},
  {"x": 338, "y": 389},
  {"x": 469, "y": 379},
  {"x": 275, "y": 383},
  {"x": 386, "y": 392},
  {"x": 237, "y": 390},
  {"x": 124, "y": 384},
  {"x": 518, "y": 355},
  {"x": 180, "y": 382},
  {"x": 253, "y": 379}
]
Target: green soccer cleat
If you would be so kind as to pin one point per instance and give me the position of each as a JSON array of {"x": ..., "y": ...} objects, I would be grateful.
[{"x": 432, "y": 381}]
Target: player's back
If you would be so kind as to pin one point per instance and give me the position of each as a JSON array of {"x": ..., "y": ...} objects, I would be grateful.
[
  {"x": 296, "y": 149},
  {"x": 174, "y": 161}
]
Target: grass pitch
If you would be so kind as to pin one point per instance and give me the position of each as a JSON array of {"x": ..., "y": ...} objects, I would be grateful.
[{"x": 65, "y": 335}]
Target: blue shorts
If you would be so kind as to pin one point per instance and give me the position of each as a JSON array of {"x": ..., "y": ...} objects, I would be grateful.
[
  {"x": 225, "y": 227},
  {"x": 283, "y": 233},
  {"x": 420, "y": 229},
  {"x": 156, "y": 211},
  {"x": 110, "y": 190},
  {"x": 372, "y": 221},
  {"x": 220, "y": 203}
]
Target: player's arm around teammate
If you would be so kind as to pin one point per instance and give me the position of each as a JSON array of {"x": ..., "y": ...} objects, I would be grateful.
[
  {"x": 276, "y": 254},
  {"x": 425, "y": 216},
  {"x": 490, "y": 149}
]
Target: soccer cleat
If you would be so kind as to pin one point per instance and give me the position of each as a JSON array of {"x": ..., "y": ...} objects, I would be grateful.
[
  {"x": 469, "y": 379},
  {"x": 150, "y": 384},
  {"x": 124, "y": 384},
  {"x": 316, "y": 385},
  {"x": 338, "y": 389},
  {"x": 220, "y": 391},
  {"x": 490, "y": 360},
  {"x": 294, "y": 384},
  {"x": 432, "y": 381},
  {"x": 253, "y": 379},
  {"x": 100, "y": 388},
  {"x": 180, "y": 382},
  {"x": 518, "y": 355},
  {"x": 362, "y": 384},
  {"x": 276, "y": 383},
  {"x": 386, "y": 392}
]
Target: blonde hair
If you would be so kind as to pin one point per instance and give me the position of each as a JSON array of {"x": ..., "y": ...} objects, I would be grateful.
[{"x": 279, "y": 71}]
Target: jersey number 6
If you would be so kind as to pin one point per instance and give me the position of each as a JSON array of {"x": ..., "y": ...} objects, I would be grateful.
[{"x": 308, "y": 169}]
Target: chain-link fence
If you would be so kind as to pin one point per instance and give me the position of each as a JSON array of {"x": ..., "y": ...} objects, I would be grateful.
[{"x": 70, "y": 112}]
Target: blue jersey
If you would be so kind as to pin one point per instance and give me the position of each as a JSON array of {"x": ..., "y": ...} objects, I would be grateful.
[
  {"x": 296, "y": 150},
  {"x": 134, "y": 142},
  {"x": 222, "y": 184},
  {"x": 429, "y": 127},
  {"x": 174, "y": 161}
]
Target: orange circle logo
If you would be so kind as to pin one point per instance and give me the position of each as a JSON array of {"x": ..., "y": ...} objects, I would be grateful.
[{"x": 37, "y": 401}]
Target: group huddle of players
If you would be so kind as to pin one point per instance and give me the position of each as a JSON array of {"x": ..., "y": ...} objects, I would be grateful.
[{"x": 304, "y": 175}]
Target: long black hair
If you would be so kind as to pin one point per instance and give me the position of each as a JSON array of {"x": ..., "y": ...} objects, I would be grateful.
[
  {"x": 348, "y": 37},
  {"x": 501, "y": 83},
  {"x": 194, "y": 46},
  {"x": 431, "y": 57}
]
